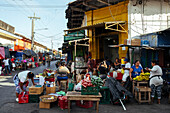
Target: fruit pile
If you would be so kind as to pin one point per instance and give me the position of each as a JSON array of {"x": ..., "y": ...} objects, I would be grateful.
[{"x": 142, "y": 77}]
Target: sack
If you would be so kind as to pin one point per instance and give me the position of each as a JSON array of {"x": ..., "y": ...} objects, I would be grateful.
[{"x": 122, "y": 71}]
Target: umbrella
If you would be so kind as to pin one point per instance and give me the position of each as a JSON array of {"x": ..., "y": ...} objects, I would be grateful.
[
  {"x": 29, "y": 53},
  {"x": 117, "y": 90}
]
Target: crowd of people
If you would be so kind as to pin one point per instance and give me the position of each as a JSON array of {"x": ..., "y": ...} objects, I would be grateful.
[{"x": 11, "y": 64}]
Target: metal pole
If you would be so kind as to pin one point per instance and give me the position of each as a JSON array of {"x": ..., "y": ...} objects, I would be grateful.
[{"x": 32, "y": 35}]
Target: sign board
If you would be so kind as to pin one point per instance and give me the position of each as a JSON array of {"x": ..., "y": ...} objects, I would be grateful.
[
  {"x": 74, "y": 35},
  {"x": 6, "y": 27}
]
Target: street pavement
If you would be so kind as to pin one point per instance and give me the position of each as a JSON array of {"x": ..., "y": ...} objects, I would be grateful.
[{"x": 9, "y": 105}]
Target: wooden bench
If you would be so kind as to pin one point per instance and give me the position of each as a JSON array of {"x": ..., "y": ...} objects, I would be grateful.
[{"x": 138, "y": 94}]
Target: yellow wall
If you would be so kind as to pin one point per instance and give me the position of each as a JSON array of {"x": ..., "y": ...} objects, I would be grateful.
[{"x": 119, "y": 12}]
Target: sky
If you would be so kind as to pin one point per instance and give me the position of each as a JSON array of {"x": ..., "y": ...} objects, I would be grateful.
[{"x": 51, "y": 13}]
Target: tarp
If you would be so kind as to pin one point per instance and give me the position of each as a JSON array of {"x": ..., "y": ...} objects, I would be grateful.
[
  {"x": 29, "y": 53},
  {"x": 18, "y": 55},
  {"x": 2, "y": 53},
  {"x": 116, "y": 89}
]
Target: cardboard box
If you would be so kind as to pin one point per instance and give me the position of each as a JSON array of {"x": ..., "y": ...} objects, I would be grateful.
[
  {"x": 35, "y": 90},
  {"x": 127, "y": 42},
  {"x": 136, "y": 42},
  {"x": 50, "y": 90},
  {"x": 45, "y": 105}
]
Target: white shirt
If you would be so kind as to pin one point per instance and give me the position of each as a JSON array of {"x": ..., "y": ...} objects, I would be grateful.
[
  {"x": 156, "y": 70},
  {"x": 23, "y": 76},
  {"x": 127, "y": 65},
  {"x": 6, "y": 62}
]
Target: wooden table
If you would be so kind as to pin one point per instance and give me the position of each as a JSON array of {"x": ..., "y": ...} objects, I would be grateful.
[
  {"x": 77, "y": 96},
  {"x": 138, "y": 83}
]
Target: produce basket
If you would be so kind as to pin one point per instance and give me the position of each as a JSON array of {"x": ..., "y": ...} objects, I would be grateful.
[
  {"x": 89, "y": 90},
  {"x": 48, "y": 98}
]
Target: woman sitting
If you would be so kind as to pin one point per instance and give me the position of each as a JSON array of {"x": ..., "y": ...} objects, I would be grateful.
[
  {"x": 135, "y": 70},
  {"x": 63, "y": 71}
]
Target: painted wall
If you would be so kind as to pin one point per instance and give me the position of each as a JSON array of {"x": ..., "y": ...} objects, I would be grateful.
[
  {"x": 150, "y": 16},
  {"x": 118, "y": 12}
]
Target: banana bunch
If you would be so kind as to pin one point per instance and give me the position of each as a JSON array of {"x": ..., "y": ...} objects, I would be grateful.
[{"x": 142, "y": 76}]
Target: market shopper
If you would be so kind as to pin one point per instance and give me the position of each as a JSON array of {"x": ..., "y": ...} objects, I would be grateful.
[
  {"x": 126, "y": 71},
  {"x": 63, "y": 72},
  {"x": 135, "y": 70},
  {"x": 156, "y": 80},
  {"x": 21, "y": 81},
  {"x": 7, "y": 65},
  {"x": 117, "y": 64}
]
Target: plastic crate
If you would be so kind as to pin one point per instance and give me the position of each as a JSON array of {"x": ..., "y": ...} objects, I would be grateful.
[
  {"x": 119, "y": 76},
  {"x": 84, "y": 104},
  {"x": 105, "y": 92},
  {"x": 23, "y": 98},
  {"x": 89, "y": 90},
  {"x": 63, "y": 102},
  {"x": 34, "y": 98}
]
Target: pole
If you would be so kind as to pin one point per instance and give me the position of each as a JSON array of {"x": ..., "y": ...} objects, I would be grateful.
[{"x": 32, "y": 33}]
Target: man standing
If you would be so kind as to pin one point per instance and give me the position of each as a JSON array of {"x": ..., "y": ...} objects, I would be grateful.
[
  {"x": 7, "y": 66},
  {"x": 126, "y": 70},
  {"x": 21, "y": 81}
]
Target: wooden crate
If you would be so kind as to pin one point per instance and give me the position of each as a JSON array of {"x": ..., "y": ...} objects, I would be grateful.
[
  {"x": 35, "y": 90},
  {"x": 44, "y": 105},
  {"x": 50, "y": 90},
  {"x": 147, "y": 94}
]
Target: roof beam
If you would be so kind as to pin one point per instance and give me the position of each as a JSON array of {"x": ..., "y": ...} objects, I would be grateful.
[
  {"x": 101, "y": 1},
  {"x": 88, "y": 5},
  {"x": 77, "y": 15},
  {"x": 77, "y": 9}
]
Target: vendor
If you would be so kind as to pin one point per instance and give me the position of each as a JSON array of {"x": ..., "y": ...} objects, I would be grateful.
[
  {"x": 135, "y": 70},
  {"x": 126, "y": 70},
  {"x": 156, "y": 80},
  {"x": 63, "y": 72},
  {"x": 21, "y": 81}
]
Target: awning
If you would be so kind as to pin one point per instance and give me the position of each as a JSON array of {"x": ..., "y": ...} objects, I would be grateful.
[
  {"x": 107, "y": 25},
  {"x": 29, "y": 53},
  {"x": 2, "y": 53}
]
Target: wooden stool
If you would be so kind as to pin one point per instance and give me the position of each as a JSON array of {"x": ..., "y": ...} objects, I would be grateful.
[
  {"x": 145, "y": 90},
  {"x": 63, "y": 83}
]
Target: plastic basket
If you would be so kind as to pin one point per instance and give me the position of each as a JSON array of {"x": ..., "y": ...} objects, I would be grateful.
[
  {"x": 63, "y": 102},
  {"x": 23, "y": 98},
  {"x": 89, "y": 90},
  {"x": 84, "y": 104},
  {"x": 105, "y": 92}
]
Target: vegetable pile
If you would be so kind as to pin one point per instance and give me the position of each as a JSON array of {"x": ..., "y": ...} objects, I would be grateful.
[
  {"x": 97, "y": 81},
  {"x": 86, "y": 83}
]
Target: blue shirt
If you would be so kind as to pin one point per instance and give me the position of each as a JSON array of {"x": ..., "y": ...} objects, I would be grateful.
[{"x": 136, "y": 71}]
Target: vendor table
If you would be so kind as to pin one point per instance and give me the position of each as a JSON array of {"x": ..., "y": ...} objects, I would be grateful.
[
  {"x": 77, "y": 96},
  {"x": 138, "y": 83}
]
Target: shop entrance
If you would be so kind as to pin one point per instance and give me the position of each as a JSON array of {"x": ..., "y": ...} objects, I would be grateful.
[{"x": 106, "y": 51}]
